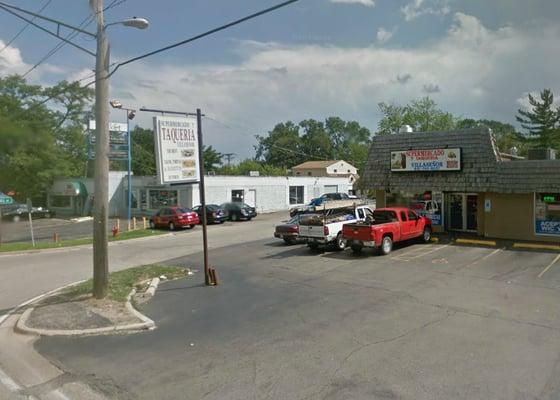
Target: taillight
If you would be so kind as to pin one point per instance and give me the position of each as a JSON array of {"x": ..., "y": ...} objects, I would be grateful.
[{"x": 326, "y": 230}]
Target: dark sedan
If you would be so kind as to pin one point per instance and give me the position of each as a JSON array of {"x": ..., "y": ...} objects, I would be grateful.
[
  {"x": 18, "y": 212},
  {"x": 289, "y": 231},
  {"x": 239, "y": 211},
  {"x": 214, "y": 213}
]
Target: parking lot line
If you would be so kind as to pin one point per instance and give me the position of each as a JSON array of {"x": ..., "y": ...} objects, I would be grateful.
[
  {"x": 485, "y": 257},
  {"x": 549, "y": 266},
  {"x": 402, "y": 257}
]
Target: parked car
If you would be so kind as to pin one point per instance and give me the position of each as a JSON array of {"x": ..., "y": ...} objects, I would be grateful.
[
  {"x": 173, "y": 218},
  {"x": 238, "y": 211},
  {"x": 328, "y": 197},
  {"x": 17, "y": 212},
  {"x": 215, "y": 214},
  {"x": 289, "y": 231},
  {"x": 325, "y": 228},
  {"x": 385, "y": 227}
]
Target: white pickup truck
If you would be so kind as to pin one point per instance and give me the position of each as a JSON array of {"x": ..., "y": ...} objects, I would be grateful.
[{"x": 325, "y": 228}]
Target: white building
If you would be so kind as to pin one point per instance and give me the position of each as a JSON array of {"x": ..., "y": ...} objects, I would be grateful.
[
  {"x": 325, "y": 168},
  {"x": 266, "y": 193}
]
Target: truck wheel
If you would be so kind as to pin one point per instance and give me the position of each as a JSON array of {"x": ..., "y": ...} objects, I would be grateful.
[
  {"x": 386, "y": 245},
  {"x": 171, "y": 226},
  {"x": 152, "y": 225},
  {"x": 16, "y": 218},
  {"x": 357, "y": 249},
  {"x": 234, "y": 217},
  {"x": 427, "y": 235},
  {"x": 340, "y": 243}
]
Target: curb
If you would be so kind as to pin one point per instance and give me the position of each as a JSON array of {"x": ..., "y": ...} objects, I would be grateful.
[
  {"x": 146, "y": 324},
  {"x": 476, "y": 241},
  {"x": 80, "y": 246},
  {"x": 536, "y": 246}
]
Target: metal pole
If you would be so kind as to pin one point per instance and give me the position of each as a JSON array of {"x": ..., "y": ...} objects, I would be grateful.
[
  {"x": 202, "y": 196},
  {"x": 129, "y": 212},
  {"x": 101, "y": 176}
]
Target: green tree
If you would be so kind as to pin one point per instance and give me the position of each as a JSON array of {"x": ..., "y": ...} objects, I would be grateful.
[
  {"x": 541, "y": 121},
  {"x": 507, "y": 137},
  {"x": 423, "y": 115},
  {"x": 143, "y": 152},
  {"x": 212, "y": 158},
  {"x": 41, "y": 134},
  {"x": 281, "y": 147},
  {"x": 248, "y": 165},
  {"x": 289, "y": 144}
]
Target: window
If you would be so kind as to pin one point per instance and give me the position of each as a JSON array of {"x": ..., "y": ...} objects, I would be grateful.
[
  {"x": 412, "y": 216},
  {"x": 403, "y": 216},
  {"x": 134, "y": 202},
  {"x": 237, "y": 195},
  {"x": 162, "y": 198},
  {"x": 335, "y": 170},
  {"x": 384, "y": 216},
  {"x": 547, "y": 214},
  {"x": 361, "y": 213},
  {"x": 308, "y": 173},
  {"x": 296, "y": 194},
  {"x": 61, "y": 201}
]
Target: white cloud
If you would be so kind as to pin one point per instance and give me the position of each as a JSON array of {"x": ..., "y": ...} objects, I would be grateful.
[
  {"x": 367, "y": 3},
  {"x": 417, "y": 8},
  {"x": 11, "y": 61},
  {"x": 383, "y": 35},
  {"x": 481, "y": 72}
]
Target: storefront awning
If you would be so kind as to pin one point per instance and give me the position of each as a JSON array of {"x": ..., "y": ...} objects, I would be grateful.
[{"x": 68, "y": 188}]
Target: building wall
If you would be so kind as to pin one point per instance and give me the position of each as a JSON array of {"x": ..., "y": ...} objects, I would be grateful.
[
  {"x": 512, "y": 217},
  {"x": 341, "y": 167},
  {"x": 310, "y": 172}
]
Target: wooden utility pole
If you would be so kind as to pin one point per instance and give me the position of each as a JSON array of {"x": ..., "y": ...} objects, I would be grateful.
[{"x": 101, "y": 174}]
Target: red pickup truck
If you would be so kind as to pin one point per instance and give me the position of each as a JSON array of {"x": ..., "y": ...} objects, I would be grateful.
[{"x": 385, "y": 227}]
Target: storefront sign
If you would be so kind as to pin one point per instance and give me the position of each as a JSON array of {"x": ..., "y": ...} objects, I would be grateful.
[
  {"x": 176, "y": 149},
  {"x": 426, "y": 160},
  {"x": 547, "y": 214}
]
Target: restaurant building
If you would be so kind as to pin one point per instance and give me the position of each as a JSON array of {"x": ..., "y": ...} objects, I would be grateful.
[{"x": 464, "y": 183}]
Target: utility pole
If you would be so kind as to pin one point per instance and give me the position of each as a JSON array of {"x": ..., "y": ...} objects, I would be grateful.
[
  {"x": 101, "y": 174},
  {"x": 229, "y": 156}
]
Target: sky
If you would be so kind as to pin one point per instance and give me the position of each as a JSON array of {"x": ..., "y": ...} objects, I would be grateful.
[{"x": 312, "y": 59}]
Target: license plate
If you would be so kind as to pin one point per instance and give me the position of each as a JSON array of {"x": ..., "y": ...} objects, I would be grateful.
[{"x": 369, "y": 243}]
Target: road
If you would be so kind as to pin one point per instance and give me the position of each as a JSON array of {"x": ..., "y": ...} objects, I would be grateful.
[
  {"x": 29, "y": 275},
  {"x": 427, "y": 322}
]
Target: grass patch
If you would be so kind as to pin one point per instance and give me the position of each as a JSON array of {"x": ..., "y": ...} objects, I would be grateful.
[
  {"x": 122, "y": 282},
  {"x": 7, "y": 247}
]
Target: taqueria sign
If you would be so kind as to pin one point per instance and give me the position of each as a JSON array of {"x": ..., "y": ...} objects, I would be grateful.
[{"x": 426, "y": 160}]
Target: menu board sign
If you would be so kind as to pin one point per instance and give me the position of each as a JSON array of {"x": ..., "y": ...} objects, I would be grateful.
[
  {"x": 176, "y": 149},
  {"x": 426, "y": 160}
]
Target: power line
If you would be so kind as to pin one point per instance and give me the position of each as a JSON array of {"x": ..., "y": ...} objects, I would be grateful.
[
  {"x": 24, "y": 27},
  {"x": 207, "y": 33},
  {"x": 84, "y": 24}
]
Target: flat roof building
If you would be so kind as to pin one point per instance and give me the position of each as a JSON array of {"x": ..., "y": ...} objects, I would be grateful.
[{"x": 462, "y": 181}]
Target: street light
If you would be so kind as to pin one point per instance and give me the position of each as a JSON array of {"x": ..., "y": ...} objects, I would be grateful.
[
  {"x": 130, "y": 114},
  {"x": 134, "y": 22}
]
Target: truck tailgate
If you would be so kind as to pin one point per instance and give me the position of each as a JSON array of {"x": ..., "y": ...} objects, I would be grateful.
[
  {"x": 357, "y": 232},
  {"x": 312, "y": 231}
]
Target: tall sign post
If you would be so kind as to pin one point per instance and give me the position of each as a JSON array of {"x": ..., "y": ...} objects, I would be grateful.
[
  {"x": 29, "y": 211},
  {"x": 180, "y": 160}
]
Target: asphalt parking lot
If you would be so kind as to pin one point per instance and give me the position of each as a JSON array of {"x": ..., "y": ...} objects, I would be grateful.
[{"x": 434, "y": 321}]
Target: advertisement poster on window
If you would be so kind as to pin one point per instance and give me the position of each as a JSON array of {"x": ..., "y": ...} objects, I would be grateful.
[
  {"x": 426, "y": 160},
  {"x": 429, "y": 204},
  {"x": 547, "y": 214},
  {"x": 176, "y": 149}
]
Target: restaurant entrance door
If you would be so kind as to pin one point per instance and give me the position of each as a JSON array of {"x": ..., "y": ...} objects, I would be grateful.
[{"x": 461, "y": 211}]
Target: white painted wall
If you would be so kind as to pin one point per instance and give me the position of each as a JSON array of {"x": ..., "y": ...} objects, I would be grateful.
[{"x": 341, "y": 167}]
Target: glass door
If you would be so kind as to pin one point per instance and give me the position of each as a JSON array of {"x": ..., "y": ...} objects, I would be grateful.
[
  {"x": 472, "y": 200},
  {"x": 455, "y": 205}
]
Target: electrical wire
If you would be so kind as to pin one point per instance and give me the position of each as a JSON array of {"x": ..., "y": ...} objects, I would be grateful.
[
  {"x": 200, "y": 36},
  {"x": 84, "y": 24},
  {"x": 24, "y": 27}
]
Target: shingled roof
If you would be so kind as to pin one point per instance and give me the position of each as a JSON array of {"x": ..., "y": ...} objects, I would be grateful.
[
  {"x": 482, "y": 168},
  {"x": 315, "y": 164}
]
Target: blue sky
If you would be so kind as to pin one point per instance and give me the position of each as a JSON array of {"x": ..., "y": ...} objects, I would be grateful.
[{"x": 313, "y": 59}]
